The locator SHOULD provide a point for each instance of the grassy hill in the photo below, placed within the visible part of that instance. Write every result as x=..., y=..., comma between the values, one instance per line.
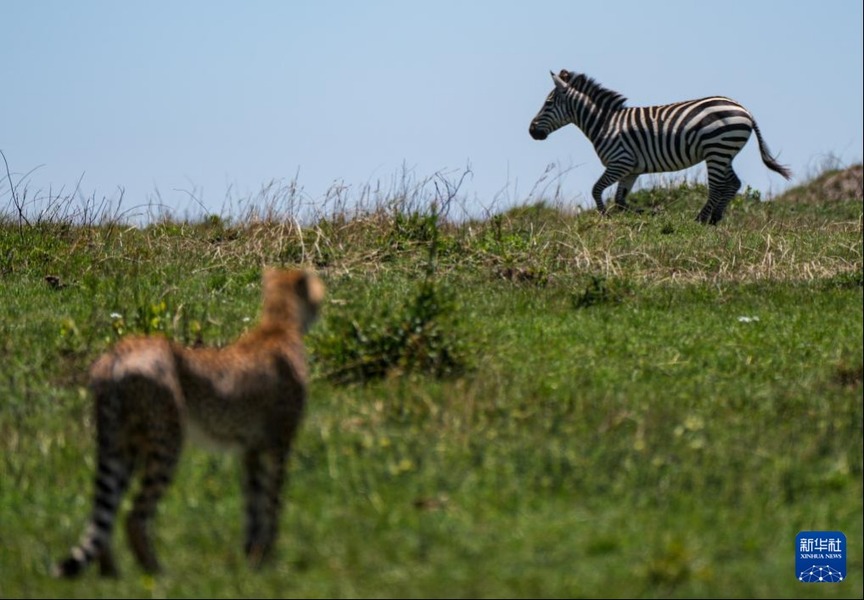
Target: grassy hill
x=543, y=402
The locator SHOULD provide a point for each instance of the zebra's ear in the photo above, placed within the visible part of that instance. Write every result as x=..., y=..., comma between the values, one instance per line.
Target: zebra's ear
x=559, y=83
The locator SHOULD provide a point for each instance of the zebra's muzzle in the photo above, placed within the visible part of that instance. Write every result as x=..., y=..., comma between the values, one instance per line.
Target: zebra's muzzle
x=537, y=133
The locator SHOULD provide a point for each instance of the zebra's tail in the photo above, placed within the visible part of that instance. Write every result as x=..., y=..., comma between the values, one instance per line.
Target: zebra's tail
x=769, y=160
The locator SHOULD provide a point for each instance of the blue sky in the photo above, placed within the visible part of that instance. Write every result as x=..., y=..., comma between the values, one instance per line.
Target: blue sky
x=216, y=99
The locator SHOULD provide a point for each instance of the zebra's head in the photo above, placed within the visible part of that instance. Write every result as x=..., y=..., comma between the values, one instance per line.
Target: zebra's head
x=554, y=114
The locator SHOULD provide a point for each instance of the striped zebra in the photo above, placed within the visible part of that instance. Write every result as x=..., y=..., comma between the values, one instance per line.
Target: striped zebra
x=652, y=139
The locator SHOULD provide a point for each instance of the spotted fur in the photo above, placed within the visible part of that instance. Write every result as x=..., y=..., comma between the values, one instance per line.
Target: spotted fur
x=151, y=393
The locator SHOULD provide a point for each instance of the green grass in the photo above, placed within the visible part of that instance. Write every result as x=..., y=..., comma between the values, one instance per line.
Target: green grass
x=632, y=406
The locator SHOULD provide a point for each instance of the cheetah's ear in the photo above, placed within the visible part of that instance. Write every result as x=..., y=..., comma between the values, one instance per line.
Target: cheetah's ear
x=312, y=288
x=268, y=276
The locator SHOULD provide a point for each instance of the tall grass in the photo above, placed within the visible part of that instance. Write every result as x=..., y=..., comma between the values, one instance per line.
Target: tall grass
x=538, y=401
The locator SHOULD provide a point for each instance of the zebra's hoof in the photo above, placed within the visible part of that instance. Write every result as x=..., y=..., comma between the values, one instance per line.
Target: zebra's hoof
x=68, y=569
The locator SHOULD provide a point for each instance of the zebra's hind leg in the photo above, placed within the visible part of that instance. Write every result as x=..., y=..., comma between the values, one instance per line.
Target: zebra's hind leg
x=722, y=187
x=729, y=189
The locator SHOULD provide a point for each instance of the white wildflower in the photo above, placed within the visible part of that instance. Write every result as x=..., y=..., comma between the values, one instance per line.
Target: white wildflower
x=748, y=319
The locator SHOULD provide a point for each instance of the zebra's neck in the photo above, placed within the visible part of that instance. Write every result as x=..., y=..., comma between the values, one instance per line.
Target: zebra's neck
x=589, y=116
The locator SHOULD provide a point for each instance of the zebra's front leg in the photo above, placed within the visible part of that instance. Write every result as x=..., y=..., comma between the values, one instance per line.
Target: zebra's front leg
x=608, y=178
x=618, y=171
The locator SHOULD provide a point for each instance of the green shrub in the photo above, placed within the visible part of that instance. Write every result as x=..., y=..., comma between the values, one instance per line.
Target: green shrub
x=601, y=290
x=420, y=337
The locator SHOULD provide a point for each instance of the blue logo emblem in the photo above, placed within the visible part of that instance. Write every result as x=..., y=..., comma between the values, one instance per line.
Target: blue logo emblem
x=820, y=556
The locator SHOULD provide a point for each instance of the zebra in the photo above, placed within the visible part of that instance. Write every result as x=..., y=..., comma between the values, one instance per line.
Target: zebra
x=651, y=139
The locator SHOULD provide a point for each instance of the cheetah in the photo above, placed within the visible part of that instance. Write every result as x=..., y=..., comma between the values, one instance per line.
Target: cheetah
x=151, y=393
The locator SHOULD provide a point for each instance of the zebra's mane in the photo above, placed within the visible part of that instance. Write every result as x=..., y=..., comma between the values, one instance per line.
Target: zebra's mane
x=601, y=96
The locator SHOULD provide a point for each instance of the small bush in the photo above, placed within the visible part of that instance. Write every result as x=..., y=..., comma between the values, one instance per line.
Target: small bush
x=845, y=280
x=421, y=337
x=600, y=290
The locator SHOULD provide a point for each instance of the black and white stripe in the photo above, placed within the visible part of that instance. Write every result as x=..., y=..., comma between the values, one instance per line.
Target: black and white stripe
x=651, y=139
